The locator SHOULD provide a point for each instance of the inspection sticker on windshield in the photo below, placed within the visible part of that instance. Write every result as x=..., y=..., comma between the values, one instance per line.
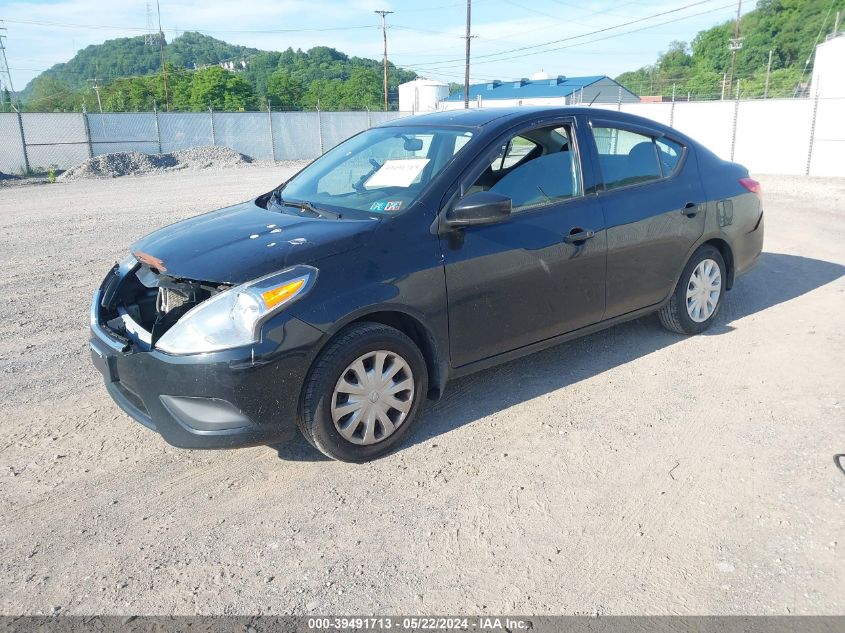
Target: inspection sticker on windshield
x=397, y=173
x=389, y=205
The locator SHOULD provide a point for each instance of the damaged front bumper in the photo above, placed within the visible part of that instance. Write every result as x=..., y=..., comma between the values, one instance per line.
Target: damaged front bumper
x=225, y=399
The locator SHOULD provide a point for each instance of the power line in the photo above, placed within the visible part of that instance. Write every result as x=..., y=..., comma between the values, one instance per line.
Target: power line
x=816, y=42
x=587, y=34
x=435, y=66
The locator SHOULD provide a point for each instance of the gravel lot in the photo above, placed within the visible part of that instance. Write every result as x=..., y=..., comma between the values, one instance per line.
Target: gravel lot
x=630, y=472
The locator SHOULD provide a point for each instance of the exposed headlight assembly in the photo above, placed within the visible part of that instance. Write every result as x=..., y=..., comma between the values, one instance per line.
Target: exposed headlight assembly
x=233, y=318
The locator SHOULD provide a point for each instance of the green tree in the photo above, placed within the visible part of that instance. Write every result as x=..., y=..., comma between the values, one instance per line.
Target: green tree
x=283, y=89
x=220, y=89
x=239, y=94
x=363, y=89
x=52, y=95
x=6, y=101
x=324, y=94
x=129, y=72
x=788, y=28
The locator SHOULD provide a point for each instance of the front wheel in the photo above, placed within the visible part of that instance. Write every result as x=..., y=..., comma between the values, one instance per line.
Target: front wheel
x=698, y=296
x=364, y=393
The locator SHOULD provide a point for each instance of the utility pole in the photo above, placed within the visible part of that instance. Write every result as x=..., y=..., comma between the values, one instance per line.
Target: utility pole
x=4, y=69
x=468, y=37
x=161, y=57
x=383, y=14
x=768, y=74
x=734, y=45
x=97, y=90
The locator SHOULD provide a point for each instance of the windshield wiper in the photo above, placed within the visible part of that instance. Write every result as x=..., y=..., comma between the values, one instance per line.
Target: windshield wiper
x=306, y=206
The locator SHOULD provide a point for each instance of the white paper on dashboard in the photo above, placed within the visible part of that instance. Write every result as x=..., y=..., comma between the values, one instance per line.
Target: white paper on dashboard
x=397, y=173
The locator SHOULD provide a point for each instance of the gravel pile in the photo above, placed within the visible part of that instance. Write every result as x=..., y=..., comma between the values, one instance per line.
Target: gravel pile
x=137, y=164
x=209, y=156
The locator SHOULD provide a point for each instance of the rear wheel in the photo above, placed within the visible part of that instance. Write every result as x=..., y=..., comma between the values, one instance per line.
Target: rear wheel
x=697, y=298
x=364, y=393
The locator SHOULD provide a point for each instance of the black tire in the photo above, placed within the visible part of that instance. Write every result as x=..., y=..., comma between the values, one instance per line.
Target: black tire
x=674, y=315
x=354, y=341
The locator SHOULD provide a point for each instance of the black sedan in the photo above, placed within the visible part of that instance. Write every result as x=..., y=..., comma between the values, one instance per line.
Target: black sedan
x=414, y=252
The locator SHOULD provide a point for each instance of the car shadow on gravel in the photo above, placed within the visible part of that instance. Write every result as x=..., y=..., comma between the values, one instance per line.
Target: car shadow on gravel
x=297, y=449
x=776, y=278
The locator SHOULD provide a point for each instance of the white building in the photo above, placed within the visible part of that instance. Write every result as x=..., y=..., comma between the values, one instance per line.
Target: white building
x=421, y=95
x=828, y=73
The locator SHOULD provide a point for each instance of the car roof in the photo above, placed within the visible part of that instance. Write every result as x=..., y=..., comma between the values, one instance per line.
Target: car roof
x=480, y=117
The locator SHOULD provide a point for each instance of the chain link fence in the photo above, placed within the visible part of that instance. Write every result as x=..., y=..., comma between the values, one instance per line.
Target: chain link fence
x=38, y=142
x=773, y=136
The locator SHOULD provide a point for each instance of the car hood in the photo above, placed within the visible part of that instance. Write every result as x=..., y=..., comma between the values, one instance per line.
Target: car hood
x=246, y=241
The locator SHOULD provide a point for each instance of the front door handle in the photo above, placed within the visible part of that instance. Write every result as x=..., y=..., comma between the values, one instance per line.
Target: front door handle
x=690, y=209
x=577, y=236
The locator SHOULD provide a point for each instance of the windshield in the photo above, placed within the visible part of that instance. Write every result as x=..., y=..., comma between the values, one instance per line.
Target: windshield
x=382, y=170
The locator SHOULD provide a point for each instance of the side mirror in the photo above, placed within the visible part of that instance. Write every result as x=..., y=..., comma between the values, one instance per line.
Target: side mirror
x=481, y=207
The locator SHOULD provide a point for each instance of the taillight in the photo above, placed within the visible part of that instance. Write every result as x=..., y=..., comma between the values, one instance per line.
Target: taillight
x=753, y=186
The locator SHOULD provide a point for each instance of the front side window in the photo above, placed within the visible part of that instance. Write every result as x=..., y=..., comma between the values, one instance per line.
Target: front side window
x=628, y=158
x=534, y=168
x=382, y=170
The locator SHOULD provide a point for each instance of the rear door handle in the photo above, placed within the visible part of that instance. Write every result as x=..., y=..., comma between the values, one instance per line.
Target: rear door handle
x=579, y=236
x=690, y=209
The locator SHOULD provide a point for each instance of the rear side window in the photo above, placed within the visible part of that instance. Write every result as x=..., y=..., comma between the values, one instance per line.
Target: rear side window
x=626, y=158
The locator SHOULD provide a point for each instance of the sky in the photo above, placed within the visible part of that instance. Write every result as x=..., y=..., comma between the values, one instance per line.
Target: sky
x=511, y=38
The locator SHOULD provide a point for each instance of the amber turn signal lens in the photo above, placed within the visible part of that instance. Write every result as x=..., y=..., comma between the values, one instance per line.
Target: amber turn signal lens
x=274, y=297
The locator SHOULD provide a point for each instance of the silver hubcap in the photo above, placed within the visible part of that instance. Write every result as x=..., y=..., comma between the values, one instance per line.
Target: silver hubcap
x=373, y=397
x=703, y=290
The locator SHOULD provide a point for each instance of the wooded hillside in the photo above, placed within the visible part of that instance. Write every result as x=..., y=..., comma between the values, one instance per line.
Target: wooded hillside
x=788, y=28
x=127, y=75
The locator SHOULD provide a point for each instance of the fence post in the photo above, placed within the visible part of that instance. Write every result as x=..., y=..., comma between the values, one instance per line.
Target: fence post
x=812, y=132
x=736, y=114
x=672, y=110
x=211, y=118
x=23, y=140
x=320, y=129
x=158, y=129
x=272, y=137
x=369, y=118
x=619, y=99
x=87, y=131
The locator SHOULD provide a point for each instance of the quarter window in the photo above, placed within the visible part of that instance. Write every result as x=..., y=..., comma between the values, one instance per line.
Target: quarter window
x=670, y=154
x=516, y=151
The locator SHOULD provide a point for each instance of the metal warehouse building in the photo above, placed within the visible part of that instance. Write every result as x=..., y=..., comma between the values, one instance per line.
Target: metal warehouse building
x=558, y=90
